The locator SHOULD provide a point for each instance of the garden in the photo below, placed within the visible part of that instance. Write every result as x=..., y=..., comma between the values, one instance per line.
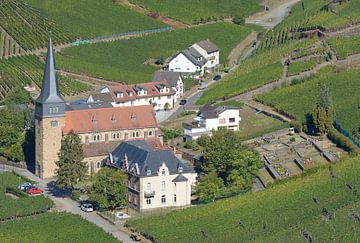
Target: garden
x=125, y=60
x=315, y=206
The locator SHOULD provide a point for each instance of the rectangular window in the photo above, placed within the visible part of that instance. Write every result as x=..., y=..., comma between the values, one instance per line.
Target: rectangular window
x=222, y=121
x=174, y=198
x=148, y=185
x=148, y=201
x=231, y=120
x=163, y=188
x=163, y=199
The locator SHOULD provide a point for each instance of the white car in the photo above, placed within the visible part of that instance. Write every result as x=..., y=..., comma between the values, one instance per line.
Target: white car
x=87, y=207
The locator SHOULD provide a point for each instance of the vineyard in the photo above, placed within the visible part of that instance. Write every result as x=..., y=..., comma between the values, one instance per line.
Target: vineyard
x=345, y=46
x=299, y=67
x=315, y=206
x=22, y=206
x=25, y=28
x=263, y=67
x=17, y=72
x=93, y=18
x=203, y=11
x=125, y=60
x=298, y=100
x=53, y=227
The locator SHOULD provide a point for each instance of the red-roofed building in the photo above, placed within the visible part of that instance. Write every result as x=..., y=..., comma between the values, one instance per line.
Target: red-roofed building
x=161, y=95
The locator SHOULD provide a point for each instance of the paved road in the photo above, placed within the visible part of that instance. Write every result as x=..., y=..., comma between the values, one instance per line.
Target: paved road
x=68, y=205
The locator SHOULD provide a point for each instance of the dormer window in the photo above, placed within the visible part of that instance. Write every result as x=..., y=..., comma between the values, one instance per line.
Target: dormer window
x=163, y=172
x=113, y=118
x=130, y=93
x=148, y=172
x=180, y=169
x=119, y=95
x=93, y=121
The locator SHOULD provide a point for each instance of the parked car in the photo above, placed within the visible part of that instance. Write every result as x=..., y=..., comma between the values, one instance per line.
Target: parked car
x=34, y=191
x=87, y=207
x=217, y=77
x=135, y=237
x=24, y=186
x=183, y=102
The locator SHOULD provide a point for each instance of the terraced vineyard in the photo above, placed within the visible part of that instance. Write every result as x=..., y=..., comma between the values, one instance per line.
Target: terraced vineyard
x=345, y=46
x=17, y=72
x=92, y=18
x=299, y=67
x=298, y=100
x=125, y=60
x=316, y=206
x=203, y=11
x=27, y=28
x=263, y=67
x=21, y=206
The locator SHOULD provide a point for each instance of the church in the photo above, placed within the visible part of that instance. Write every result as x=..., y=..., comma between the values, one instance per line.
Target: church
x=101, y=127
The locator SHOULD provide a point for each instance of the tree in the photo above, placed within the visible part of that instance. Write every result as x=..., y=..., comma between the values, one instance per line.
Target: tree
x=71, y=168
x=166, y=106
x=210, y=187
x=109, y=188
x=323, y=113
x=234, y=163
x=238, y=20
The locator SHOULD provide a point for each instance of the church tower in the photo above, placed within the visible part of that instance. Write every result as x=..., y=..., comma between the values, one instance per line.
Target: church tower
x=49, y=120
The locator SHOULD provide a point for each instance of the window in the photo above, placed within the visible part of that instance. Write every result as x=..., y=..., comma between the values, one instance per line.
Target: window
x=174, y=198
x=148, y=172
x=98, y=165
x=222, y=120
x=169, y=97
x=163, y=188
x=54, y=123
x=180, y=169
x=148, y=201
x=148, y=186
x=163, y=199
x=231, y=120
x=163, y=172
x=150, y=133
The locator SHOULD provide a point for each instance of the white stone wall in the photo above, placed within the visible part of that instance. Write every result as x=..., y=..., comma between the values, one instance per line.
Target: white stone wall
x=183, y=65
x=159, y=100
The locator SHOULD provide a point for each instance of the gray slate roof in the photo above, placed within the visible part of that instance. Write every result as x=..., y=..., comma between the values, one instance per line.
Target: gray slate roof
x=141, y=153
x=180, y=178
x=192, y=55
x=208, y=46
x=88, y=106
x=170, y=77
x=50, y=92
x=210, y=111
x=102, y=97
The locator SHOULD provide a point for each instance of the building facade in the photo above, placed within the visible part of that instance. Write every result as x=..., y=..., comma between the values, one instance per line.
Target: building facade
x=212, y=118
x=174, y=79
x=157, y=178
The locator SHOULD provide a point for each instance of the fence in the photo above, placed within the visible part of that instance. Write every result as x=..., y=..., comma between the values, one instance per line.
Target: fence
x=132, y=33
x=346, y=133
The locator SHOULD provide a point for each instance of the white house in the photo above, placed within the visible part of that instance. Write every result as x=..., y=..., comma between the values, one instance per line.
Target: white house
x=174, y=79
x=157, y=178
x=200, y=57
x=159, y=94
x=209, y=118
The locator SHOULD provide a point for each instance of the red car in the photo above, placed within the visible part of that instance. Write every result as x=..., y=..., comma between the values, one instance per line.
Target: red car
x=34, y=191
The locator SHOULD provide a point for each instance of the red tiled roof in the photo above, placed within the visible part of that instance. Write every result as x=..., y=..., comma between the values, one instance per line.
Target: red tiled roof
x=109, y=119
x=152, y=90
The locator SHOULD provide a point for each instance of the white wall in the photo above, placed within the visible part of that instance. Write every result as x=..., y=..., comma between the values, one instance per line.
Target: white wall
x=181, y=64
x=226, y=115
x=159, y=100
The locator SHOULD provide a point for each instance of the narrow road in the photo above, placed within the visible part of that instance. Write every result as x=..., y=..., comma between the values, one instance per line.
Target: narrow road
x=68, y=205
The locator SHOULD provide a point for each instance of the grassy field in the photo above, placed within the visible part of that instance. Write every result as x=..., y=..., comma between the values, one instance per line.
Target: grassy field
x=299, y=100
x=345, y=46
x=124, y=60
x=22, y=206
x=53, y=227
x=90, y=18
x=280, y=213
x=179, y=9
x=261, y=68
x=298, y=67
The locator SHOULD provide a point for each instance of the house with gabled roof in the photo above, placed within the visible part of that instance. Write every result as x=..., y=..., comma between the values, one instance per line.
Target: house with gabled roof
x=157, y=178
x=174, y=79
x=200, y=57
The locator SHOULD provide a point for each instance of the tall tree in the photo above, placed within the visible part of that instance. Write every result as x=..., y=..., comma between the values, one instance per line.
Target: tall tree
x=71, y=169
x=323, y=113
x=210, y=187
x=109, y=188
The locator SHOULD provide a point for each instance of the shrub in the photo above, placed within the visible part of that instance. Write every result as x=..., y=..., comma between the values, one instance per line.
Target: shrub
x=296, y=125
x=341, y=141
x=75, y=195
x=238, y=20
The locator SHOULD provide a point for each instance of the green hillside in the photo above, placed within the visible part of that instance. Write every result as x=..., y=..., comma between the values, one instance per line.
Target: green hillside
x=318, y=205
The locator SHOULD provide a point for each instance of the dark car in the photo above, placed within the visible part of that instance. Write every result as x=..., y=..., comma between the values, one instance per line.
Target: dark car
x=217, y=77
x=183, y=102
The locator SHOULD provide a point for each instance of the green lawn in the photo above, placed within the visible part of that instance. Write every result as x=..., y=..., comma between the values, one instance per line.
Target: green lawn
x=345, y=46
x=53, y=227
x=277, y=214
x=298, y=67
x=179, y=9
x=124, y=60
x=299, y=100
x=23, y=206
x=91, y=18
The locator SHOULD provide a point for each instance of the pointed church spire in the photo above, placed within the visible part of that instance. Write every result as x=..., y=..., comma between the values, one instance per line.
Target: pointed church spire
x=50, y=94
x=50, y=90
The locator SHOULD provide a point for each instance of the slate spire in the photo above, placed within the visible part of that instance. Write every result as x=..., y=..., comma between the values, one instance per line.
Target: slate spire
x=50, y=92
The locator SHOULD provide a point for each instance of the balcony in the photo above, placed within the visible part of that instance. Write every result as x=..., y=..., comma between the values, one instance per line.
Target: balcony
x=148, y=194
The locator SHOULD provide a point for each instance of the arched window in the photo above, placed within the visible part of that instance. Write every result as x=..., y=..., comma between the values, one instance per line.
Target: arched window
x=163, y=199
x=118, y=136
x=150, y=133
x=163, y=188
x=148, y=186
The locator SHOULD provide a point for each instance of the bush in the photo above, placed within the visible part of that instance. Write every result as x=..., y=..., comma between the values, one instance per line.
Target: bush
x=238, y=20
x=15, y=192
x=341, y=141
x=296, y=125
x=75, y=194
